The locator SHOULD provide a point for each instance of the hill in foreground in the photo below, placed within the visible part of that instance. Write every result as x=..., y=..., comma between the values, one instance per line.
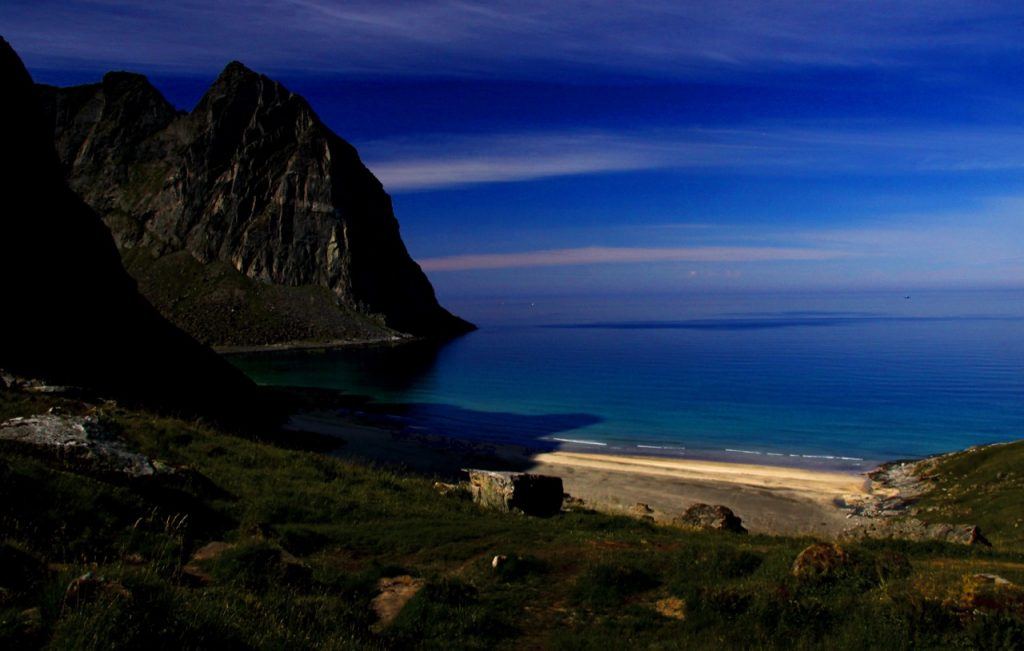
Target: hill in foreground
x=233, y=543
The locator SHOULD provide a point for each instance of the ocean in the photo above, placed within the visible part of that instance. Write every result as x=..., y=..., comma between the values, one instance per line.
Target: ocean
x=837, y=380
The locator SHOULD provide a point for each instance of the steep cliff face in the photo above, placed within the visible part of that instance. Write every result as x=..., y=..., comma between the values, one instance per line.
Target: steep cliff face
x=71, y=314
x=251, y=178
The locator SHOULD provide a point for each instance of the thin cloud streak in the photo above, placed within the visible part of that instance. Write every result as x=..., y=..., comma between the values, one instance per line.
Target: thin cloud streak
x=617, y=255
x=522, y=38
x=459, y=160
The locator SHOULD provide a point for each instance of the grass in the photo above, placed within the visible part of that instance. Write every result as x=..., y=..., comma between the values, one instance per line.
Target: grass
x=576, y=581
x=220, y=306
x=982, y=486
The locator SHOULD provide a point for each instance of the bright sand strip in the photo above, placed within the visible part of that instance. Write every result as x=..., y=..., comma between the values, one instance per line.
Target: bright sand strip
x=769, y=499
x=813, y=483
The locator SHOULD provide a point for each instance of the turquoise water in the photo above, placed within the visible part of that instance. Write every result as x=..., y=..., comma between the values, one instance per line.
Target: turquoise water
x=830, y=380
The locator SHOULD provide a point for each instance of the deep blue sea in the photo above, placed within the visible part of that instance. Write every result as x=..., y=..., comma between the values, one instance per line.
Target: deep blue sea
x=841, y=380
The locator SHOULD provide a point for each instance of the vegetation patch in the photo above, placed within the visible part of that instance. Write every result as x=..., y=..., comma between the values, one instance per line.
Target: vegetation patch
x=306, y=541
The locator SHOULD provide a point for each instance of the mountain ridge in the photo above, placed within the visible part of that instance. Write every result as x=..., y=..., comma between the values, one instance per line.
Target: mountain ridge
x=251, y=178
x=72, y=314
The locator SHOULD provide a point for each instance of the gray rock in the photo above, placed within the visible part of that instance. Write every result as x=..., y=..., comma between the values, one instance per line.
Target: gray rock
x=79, y=444
x=710, y=518
x=446, y=489
x=919, y=530
x=90, y=586
x=251, y=180
x=516, y=491
x=72, y=314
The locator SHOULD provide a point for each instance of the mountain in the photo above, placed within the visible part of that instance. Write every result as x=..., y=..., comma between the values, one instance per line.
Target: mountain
x=71, y=313
x=246, y=221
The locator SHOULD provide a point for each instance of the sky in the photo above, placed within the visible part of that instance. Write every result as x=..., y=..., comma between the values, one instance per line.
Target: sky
x=553, y=148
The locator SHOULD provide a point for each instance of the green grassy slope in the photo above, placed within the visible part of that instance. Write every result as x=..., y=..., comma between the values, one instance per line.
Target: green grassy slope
x=579, y=580
x=220, y=306
x=983, y=486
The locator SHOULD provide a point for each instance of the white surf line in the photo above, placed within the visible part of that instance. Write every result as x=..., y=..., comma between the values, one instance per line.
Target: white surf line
x=803, y=456
x=579, y=441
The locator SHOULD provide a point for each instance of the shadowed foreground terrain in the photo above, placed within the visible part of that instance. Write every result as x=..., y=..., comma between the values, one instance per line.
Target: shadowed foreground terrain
x=89, y=562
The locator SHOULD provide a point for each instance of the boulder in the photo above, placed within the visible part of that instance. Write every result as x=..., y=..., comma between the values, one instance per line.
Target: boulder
x=79, y=444
x=395, y=592
x=573, y=503
x=820, y=560
x=919, y=530
x=710, y=518
x=446, y=489
x=273, y=561
x=89, y=586
x=516, y=491
x=195, y=571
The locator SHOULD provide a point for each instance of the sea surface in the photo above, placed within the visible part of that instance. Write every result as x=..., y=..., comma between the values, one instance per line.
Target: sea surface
x=822, y=379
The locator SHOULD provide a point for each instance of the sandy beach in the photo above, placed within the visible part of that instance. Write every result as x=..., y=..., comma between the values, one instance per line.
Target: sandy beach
x=769, y=499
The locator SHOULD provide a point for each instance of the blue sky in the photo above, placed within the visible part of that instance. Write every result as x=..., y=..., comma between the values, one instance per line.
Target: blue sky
x=537, y=148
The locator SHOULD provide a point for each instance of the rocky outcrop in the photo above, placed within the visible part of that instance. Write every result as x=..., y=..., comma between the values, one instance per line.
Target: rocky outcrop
x=269, y=563
x=889, y=509
x=710, y=518
x=250, y=179
x=393, y=593
x=79, y=443
x=919, y=530
x=516, y=491
x=71, y=314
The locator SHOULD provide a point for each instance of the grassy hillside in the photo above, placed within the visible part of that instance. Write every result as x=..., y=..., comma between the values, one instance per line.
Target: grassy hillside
x=980, y=485
x=220, y=306
x=579, y=580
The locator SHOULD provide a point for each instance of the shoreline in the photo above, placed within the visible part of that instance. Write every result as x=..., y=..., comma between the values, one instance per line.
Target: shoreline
x=771, y=499
x=286, y=346
x=389, y=417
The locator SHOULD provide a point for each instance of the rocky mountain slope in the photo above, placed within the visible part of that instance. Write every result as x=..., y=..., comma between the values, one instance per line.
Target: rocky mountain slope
x=257, y=190
x=71, y=314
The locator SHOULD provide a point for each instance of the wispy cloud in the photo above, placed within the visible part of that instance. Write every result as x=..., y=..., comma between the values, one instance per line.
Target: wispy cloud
x=517, y=37
x=983, y=246
x=610, y=255
x=457, y=160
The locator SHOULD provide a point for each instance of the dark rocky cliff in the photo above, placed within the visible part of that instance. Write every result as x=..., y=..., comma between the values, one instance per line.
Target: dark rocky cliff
x=251, y=180
x=71, y=314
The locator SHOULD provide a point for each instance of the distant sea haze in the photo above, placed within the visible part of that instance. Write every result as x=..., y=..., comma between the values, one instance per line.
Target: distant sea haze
x=832, y=380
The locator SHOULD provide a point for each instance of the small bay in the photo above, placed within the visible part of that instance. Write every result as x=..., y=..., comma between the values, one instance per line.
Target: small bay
x=834, y=380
